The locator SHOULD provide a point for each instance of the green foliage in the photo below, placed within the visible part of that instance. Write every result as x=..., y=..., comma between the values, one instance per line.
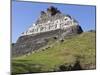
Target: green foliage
x=80, y=46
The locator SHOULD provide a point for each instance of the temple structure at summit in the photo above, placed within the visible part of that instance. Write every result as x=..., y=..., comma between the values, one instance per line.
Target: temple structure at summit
x=50, y=20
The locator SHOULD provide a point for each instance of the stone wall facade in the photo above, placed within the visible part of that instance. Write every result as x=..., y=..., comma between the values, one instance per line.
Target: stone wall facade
x=47, y=23
x=50, y=24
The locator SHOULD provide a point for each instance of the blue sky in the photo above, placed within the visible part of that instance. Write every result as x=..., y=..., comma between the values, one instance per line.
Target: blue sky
x=24, y=14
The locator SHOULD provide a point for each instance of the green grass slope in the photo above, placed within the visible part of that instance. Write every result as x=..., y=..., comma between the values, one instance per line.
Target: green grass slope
x=80, y=46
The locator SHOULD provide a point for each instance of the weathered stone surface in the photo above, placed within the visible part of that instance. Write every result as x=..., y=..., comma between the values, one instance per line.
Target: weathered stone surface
x=51, y=24
x=27, y=44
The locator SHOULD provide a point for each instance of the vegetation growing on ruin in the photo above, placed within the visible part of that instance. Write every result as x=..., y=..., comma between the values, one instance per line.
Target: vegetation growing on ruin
x=81, y=47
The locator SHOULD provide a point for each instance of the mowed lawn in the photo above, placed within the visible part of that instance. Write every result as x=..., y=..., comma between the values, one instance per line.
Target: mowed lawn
x=80, y=46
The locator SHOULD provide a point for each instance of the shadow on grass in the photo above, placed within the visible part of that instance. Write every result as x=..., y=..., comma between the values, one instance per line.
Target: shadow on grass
x=65, y=67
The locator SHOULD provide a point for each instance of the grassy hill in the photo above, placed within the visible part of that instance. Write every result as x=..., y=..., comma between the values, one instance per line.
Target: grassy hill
x=80, y=47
